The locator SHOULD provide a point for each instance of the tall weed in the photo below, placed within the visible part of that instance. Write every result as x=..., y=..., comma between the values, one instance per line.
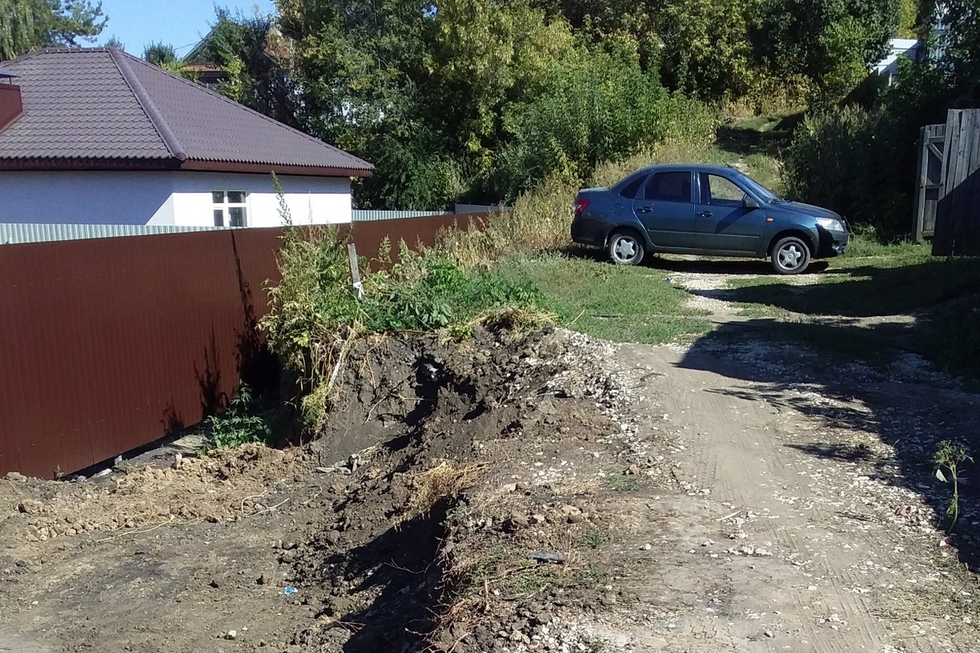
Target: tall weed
x=540, y=221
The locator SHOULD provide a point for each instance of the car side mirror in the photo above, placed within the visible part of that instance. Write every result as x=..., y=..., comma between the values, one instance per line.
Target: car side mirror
x=748, y=202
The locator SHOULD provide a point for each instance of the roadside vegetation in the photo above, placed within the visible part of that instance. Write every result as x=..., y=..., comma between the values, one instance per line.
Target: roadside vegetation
x=317, y=314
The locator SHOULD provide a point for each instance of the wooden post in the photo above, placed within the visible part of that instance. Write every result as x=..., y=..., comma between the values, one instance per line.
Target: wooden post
x=355, y=273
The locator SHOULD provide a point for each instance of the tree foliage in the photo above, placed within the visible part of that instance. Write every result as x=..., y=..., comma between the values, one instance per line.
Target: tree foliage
x=830, y=42
x=27, y=25
x=477, y=100
x=251, y=52
x=160, y=54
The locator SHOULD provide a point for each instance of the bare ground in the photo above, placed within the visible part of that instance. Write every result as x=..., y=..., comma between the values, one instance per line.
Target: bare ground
x=733, y=496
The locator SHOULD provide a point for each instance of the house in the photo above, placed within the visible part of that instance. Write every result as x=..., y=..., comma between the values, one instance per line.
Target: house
x=97, y=136
x=887, y=68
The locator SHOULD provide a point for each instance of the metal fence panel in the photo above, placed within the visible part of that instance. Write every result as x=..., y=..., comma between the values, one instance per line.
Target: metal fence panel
x=370, y=215
x=16, y=233
x=110, y=343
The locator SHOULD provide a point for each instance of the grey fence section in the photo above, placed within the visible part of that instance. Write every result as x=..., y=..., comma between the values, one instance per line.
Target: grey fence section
x=16, y=233
x=958, y=210
x=370, y=215
x=482, y=208
x=929, y=179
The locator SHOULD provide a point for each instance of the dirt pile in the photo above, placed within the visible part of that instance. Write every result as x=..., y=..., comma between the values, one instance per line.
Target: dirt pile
x=463, y=515
x=462, y=497
x=219, y=487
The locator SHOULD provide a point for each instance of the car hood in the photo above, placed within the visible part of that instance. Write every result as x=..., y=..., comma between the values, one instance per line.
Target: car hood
x=808, y=209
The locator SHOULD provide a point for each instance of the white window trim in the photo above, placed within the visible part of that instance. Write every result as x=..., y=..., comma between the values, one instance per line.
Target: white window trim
x=226, y=205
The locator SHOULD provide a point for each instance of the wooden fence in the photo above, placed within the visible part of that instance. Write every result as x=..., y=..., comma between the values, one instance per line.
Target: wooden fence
x=948, y=194
x=930, y=173
x=109, y=344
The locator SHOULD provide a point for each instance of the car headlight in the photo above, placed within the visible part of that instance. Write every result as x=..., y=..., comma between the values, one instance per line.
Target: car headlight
x=831, y=224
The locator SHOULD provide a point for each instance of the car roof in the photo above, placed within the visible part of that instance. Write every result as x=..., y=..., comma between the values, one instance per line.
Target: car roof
x=700, y=167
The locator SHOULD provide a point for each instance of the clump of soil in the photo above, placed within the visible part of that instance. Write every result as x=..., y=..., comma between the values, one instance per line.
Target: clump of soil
x=221, y=486
x=463, y=516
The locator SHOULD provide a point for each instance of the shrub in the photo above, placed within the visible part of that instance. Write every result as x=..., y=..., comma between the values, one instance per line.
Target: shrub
x=239, y=424
x=540, y=221
x=597, y=106
x=846, y=159
x=312, y=302
x=862, y=162
x=426, y=292
x=315, y=314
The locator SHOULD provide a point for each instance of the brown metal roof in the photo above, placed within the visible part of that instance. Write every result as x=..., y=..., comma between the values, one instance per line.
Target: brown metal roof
x=99, y=108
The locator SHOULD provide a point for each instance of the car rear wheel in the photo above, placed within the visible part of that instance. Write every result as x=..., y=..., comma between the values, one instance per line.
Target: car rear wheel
x=625, y=248
x=790, y=255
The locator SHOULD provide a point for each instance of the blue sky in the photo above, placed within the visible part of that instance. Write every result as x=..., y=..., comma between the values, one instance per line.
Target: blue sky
x=181, y=23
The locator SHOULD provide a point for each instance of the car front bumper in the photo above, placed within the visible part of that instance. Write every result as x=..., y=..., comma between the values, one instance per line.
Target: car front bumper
x=832, y=243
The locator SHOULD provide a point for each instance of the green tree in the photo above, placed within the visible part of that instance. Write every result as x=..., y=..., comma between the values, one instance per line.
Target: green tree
x=959, y=43
x=830, y=42
x=160, y=54
x=708, y=51
x=251, y=51
x=26, y=25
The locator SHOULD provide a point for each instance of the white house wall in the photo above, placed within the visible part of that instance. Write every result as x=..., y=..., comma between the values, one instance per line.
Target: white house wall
x=86, y=197
x=311, y=200
x=161, y=198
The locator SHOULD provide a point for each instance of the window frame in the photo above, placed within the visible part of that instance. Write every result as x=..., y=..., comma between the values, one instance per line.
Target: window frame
x=690, y=175
x=704, y=191
x=226, y=206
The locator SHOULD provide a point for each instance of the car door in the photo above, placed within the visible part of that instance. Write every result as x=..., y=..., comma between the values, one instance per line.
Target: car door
x=665, y=207
x=724, y=222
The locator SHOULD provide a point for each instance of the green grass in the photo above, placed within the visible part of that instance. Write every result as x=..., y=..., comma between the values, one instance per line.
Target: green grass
x=593, y=539
x=621, y=483
x=870, y=280
x=875, y=281
x=622, y=304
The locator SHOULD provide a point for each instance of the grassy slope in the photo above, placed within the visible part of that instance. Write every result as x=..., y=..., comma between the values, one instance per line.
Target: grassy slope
x=623, y=304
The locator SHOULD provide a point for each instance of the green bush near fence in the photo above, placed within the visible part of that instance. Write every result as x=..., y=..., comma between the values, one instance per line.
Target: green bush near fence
x=316, y=314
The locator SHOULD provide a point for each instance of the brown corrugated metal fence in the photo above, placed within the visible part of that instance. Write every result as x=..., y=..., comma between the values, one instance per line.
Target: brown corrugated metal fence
x=107, y=345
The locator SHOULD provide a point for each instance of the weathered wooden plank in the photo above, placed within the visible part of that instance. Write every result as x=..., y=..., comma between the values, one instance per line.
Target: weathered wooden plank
x=922, y=166
x=929, y=179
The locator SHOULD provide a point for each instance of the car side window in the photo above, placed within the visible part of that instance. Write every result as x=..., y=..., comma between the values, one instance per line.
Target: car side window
x=631, y=189
x=720, y=191
x=669, y=187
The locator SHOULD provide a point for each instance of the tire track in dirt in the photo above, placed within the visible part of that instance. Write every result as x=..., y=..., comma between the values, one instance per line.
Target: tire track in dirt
x=754, y=519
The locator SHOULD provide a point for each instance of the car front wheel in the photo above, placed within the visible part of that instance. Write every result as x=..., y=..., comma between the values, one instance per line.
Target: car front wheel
x=625, y=248
x=790, y=255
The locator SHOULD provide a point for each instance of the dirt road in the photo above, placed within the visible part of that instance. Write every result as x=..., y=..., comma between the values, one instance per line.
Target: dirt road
x=800, y=517
x=799, y=530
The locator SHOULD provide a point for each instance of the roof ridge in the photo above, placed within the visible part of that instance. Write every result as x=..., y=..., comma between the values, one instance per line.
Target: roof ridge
x=239, y=105
x=27, y=55
x=170, y=140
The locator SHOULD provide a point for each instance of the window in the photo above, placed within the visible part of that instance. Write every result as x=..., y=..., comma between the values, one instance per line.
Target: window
x=669, y=187
x=229, y=207
x=720, y=191
x=630, y=190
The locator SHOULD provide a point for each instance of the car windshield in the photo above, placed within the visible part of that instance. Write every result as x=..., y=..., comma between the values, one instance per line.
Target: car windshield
x=767, y=195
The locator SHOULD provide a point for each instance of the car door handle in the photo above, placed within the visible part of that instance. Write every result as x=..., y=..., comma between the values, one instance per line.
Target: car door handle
x=704, y=214
x=644, y=209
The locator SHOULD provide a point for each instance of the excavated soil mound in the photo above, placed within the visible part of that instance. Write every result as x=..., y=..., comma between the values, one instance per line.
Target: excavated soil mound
x=454, y=463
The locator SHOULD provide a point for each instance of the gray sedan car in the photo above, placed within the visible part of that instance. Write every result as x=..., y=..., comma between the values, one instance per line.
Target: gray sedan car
x=708, y=210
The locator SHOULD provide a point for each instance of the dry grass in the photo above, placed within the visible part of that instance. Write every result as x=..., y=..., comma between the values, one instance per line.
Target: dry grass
x=540, y=221
x=675, y=151
x=442, y=481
